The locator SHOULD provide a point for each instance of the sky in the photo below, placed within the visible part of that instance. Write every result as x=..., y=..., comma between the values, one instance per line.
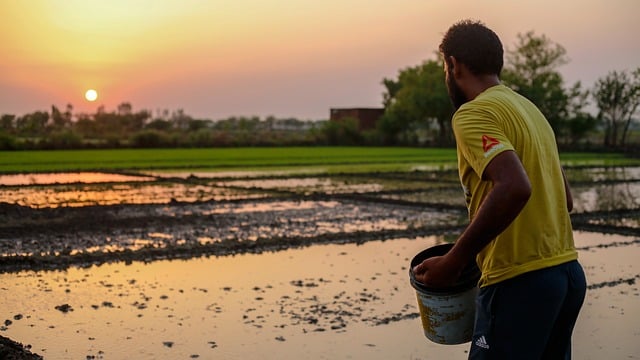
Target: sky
x=284, y=58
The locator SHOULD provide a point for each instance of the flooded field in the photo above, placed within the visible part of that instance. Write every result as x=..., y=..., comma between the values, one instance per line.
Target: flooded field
x=247, y=266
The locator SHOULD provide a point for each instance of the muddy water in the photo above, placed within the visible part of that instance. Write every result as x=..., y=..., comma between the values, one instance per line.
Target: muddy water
x=65, y=178
x=272, y=266
x=328, y=301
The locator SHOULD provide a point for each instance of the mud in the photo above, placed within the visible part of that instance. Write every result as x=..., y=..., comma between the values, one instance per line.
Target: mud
x=47, y=225
x=11, y=350
x=182, y=217
x=46, y=233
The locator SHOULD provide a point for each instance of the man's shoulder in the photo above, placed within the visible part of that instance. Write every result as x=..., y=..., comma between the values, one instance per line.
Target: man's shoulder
x=496, y=95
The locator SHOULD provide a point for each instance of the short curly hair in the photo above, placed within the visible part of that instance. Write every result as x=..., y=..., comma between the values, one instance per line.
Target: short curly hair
x=475, y=45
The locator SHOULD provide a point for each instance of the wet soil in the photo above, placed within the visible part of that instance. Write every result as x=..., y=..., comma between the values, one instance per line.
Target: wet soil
x=249, y=215
x=11, y=350
x=242, y=218
x=56, y=225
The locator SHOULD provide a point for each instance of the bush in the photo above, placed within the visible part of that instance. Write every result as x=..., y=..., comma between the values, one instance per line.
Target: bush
x=64, y=139
x=7, y=142
x=150, y=139
x=342, y=132
x=201, y=138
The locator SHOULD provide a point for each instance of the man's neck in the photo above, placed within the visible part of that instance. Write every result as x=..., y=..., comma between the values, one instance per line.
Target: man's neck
x=480, y=84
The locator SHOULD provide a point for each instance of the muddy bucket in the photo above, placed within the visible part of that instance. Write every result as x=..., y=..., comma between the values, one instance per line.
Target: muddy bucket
x=447, y=314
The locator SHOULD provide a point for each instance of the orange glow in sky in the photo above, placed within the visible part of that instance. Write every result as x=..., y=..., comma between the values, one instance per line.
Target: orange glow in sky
x=270, y=57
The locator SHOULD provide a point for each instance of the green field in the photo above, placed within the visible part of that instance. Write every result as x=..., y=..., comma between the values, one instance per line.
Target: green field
x=326, y=159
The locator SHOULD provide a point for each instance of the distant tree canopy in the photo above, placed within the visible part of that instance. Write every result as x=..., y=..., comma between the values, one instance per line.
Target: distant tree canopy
x=531, y=69
x=617, y=96
x=128, y=128
x=416, y=102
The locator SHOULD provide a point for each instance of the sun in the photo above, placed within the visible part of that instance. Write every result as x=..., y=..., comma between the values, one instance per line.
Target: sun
x=91, y=95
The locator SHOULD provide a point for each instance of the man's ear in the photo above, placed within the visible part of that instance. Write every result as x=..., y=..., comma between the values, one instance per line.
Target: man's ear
x=457, y=68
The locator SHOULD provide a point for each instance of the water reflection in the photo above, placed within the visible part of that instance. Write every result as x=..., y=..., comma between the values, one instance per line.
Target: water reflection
x=233, y=174
x=318, y=302
x=332, y=301
x=594, y=189
x=595, y=174
x=606, y=196
x=112, y=194
x=65, y=178
x=605, y=189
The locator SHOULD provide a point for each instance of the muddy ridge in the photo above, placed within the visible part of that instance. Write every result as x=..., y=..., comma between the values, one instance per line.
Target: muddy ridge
x=11, y=350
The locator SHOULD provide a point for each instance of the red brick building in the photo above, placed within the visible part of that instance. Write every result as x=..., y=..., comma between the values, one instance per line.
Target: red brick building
x=367, y=117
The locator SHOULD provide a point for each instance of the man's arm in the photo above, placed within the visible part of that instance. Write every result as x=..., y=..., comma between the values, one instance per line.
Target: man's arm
x=510, y=193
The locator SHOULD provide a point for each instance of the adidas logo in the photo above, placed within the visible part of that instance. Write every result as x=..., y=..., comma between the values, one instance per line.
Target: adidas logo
x=482, y=342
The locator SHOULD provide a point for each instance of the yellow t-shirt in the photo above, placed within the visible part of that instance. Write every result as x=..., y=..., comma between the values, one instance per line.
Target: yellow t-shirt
x=499, y=120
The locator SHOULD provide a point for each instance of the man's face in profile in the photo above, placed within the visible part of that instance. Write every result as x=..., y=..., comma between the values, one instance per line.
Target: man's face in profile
x=458, y=98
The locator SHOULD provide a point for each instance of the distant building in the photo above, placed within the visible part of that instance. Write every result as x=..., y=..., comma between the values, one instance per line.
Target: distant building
x=367, y=117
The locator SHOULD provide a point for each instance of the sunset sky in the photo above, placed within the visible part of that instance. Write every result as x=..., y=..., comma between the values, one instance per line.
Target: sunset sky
x=287, y=58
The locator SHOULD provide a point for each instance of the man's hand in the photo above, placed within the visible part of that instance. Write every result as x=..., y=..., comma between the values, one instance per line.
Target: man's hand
x=437, y=271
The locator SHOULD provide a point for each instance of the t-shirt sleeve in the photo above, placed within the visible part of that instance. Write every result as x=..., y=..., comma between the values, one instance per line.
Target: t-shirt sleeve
x=479, y=137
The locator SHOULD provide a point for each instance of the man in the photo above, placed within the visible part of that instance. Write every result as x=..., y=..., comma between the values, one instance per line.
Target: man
x=532, y=287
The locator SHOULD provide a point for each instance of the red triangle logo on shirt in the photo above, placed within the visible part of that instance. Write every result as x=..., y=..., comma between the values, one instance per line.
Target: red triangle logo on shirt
x=488, y=142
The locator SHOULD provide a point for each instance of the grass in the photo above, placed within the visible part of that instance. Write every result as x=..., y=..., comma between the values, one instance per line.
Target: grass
x=223, y=159
x=327, y=159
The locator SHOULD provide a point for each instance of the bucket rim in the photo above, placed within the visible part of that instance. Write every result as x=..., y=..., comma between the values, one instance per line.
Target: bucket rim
x=468, y=279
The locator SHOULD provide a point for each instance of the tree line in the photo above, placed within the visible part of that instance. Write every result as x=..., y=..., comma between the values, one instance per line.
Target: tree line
x=125, y=128
x=417, y=113
x=417, y=109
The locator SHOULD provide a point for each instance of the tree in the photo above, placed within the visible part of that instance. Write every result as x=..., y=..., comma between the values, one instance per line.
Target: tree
x=33, y=124
x=617, y=96
x=59, y=120
x=7, y=123
x=531, y=70
x=417, y=99
x=86, y=127
x=579, y=122
x=125, y=109
x=160, y=124
x=68, y=113
x=180, y=119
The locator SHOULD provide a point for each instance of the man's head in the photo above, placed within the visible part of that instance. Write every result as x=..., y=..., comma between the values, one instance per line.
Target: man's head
x=475, y=46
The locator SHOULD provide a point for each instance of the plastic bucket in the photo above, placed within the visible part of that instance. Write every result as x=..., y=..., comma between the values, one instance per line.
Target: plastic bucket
x=447, y=314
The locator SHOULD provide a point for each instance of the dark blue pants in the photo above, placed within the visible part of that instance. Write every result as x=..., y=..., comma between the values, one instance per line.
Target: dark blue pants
x=530, y=316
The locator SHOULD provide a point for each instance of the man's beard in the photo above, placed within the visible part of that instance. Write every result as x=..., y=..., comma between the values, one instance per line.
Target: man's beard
x=458, y=98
